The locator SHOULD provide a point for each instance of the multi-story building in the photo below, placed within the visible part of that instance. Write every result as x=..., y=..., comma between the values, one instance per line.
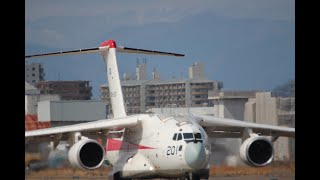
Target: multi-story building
x=34, y=73
x=145, y=94
x=68, y=90
x=141, y=94
x=179, y=93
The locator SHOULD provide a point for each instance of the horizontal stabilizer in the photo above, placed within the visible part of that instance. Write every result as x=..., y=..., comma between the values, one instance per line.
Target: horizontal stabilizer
x=144, y=51
x=80, y=51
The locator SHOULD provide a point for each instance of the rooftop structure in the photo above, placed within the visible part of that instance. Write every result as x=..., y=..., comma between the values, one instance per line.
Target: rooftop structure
x=141, y=70
x=196, y=70
x=31, y=123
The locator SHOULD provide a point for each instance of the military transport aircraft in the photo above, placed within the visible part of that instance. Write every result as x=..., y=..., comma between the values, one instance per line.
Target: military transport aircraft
x=153, y=145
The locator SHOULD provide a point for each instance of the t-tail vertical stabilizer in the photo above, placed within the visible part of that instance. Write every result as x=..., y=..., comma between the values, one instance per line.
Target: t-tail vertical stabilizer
x=116, y=96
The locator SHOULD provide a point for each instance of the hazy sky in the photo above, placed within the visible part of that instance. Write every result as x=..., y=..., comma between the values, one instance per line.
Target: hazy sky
x=247, y=44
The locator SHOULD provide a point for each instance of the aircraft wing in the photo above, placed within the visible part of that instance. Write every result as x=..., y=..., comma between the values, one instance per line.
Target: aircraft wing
x=89, y=128
x=230, y=128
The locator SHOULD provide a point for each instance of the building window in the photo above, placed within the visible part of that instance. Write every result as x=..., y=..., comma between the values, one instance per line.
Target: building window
x=33, y=69
x=33, y=75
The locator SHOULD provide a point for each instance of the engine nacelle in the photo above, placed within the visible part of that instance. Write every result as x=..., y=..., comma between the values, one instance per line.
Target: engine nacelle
x=86, y=154
x=257, y=151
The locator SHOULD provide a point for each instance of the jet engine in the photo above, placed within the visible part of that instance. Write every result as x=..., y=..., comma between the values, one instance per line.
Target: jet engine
x=86, y=154
x=256, y=151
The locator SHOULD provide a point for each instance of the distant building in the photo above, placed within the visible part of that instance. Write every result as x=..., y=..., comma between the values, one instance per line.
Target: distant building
x=145, y=94
x=182, y=111
x=179, y=93
x=68, y=90
x=60, y=113
x=230, y=104
x=141, y=94
x=34, y=73
x=196, y=70
x=33, y=96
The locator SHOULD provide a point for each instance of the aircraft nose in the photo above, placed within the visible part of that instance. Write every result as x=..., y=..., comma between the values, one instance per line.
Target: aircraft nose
x=195, y=155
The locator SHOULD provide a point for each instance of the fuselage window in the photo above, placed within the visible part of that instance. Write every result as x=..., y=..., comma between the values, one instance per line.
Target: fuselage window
x=179, y=136
x=174, y=136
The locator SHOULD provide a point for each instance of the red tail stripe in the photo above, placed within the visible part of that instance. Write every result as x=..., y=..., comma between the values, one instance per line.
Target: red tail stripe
x=116, y=145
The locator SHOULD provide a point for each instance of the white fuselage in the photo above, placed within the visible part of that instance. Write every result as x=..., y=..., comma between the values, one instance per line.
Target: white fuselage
x=160, y=145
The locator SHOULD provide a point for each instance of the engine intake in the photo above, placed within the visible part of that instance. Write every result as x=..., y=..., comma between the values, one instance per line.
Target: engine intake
x=86, y=154
x=257, y=151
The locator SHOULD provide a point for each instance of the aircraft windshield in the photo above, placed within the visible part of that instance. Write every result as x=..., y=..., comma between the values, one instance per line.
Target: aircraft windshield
x=197, y=135
x=188, y=136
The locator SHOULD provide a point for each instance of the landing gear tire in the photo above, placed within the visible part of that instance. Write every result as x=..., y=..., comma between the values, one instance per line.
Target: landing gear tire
x=195, y=177
x=117, y=176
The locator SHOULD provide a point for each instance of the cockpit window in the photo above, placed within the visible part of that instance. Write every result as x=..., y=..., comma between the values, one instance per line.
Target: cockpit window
x=197, y=135
x=174, y=136
x=188, y=136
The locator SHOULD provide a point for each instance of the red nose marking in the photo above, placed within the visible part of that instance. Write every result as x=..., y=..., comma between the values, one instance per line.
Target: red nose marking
x=111, y=43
